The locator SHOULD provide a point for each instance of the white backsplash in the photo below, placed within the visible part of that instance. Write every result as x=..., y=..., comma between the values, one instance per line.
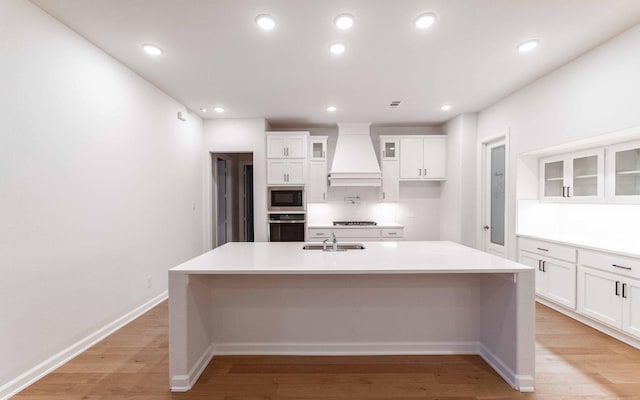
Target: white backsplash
x=418, y=209
x=613, y=226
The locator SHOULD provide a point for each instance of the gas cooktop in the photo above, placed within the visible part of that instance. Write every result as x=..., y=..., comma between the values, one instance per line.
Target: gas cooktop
x=356, y=223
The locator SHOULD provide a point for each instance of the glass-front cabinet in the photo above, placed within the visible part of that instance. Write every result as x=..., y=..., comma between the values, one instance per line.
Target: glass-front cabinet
x=318, y=148
x=389, y=148
x=623, y=172
x=573, y=177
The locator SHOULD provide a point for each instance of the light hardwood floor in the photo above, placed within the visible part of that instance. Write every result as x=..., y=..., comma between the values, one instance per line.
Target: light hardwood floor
x=572, y=362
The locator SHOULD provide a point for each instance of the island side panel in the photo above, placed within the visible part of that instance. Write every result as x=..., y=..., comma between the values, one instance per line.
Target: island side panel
x=346, y=314
x=508, y=327
x=190, y=347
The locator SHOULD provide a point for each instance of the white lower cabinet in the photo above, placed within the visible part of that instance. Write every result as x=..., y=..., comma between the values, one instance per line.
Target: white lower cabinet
x=555, y=279
x=599, y=296
x=609, y=290
x=631, y=307
x=316, y=234
x=604, y=287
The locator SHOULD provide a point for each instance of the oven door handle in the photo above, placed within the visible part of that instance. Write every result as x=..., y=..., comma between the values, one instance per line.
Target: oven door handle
x=272, y=221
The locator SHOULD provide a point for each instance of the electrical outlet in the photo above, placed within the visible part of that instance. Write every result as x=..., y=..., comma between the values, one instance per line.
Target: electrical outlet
x=149, y=281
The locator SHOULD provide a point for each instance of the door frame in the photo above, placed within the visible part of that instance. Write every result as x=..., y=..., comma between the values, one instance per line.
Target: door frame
x=242, y=234
x=484, y=189
x=214, y=189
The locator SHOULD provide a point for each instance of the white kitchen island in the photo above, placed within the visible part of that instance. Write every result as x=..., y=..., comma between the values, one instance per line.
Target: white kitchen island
x=390, y=298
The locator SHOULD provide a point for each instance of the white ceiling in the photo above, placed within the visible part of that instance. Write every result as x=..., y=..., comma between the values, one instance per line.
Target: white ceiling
x=216, y=55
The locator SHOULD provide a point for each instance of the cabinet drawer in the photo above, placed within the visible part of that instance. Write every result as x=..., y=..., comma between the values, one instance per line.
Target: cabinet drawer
x=392, y=232
x=547, y=249
x=611, y=263
x=319, y=234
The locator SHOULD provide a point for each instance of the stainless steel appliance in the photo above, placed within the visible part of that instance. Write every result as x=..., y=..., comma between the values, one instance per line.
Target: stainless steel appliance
x=285, y=227
x=286, y=198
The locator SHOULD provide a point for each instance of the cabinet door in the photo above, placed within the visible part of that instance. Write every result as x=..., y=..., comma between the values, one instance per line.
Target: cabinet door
x=390, y=181
x=276, y=145
x=560, y=282
x=534, y=261
x=411, y=166
x=585, y=171
x=276, y=172
x=317, y=187
x=295, y=172
x=318, y=149
x=296, y=147
x=389, y=149
x=623, y=172
x=597, y=296
x=434, y=156
x=631, y=307
x=553, y=172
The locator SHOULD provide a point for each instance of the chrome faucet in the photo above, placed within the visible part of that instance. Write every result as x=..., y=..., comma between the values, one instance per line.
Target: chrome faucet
x=335, y=241
x=324, y=244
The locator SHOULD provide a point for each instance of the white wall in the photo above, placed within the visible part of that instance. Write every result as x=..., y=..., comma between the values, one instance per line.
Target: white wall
x=597, y=93
x=100, y=188
x=237, y=136
x=458, y=192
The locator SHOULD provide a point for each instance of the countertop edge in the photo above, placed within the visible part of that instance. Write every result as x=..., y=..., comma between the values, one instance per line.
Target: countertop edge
x=579, y=244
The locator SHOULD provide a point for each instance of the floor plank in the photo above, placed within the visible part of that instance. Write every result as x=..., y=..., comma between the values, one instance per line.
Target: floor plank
x=573, y=362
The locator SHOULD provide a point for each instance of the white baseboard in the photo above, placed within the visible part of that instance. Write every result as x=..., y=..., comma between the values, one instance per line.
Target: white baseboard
x=523, y=383
x=27, y=378
x=184, y=383
x=614, y=333
x=346, y=349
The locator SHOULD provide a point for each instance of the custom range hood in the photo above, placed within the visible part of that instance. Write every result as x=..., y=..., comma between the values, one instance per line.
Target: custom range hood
x=354, y=161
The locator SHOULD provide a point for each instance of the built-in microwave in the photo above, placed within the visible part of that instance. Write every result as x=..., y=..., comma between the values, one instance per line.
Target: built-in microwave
x=286, y=198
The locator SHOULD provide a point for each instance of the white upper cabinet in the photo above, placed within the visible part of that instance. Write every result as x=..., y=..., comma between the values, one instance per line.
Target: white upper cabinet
x=423, y=157
x=623, y=172
x=573, y=177
x=317, y=148
x=390, y=181
x=287, y=158
x=287, y=144
x=389, y=148
x=286, y=172
x=318, y=178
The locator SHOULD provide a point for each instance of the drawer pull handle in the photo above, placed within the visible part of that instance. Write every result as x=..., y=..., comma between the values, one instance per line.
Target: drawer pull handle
x=391, y=233
x=620, y=266
x=319, y=234
x=617, y=288
x=624, y=290
x=541, y=249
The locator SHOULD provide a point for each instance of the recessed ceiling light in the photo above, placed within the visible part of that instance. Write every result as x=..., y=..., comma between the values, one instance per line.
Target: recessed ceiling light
x=152, y=49
x=203, y=109
x=425, y=20
x=344, y=21
x=528, y=45
x=266, y=22
x=331, y=109
x=445, y=107
x=337, y=48
x=218, y=109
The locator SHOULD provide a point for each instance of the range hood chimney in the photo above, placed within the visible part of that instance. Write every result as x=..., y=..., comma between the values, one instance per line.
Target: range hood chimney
x=355, y=162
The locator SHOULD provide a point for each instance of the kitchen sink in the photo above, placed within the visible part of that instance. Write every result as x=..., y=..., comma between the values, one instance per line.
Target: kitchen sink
x=341, y=246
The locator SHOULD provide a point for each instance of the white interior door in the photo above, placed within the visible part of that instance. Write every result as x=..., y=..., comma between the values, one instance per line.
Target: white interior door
x=494, y=196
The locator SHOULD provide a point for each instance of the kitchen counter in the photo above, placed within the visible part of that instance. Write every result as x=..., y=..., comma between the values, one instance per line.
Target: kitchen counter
x=331, y=226
x=390, y=298
x=376, y=258
x=600, y=244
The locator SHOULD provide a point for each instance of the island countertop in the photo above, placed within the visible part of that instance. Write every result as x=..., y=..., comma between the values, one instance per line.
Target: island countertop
x=377, y=258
